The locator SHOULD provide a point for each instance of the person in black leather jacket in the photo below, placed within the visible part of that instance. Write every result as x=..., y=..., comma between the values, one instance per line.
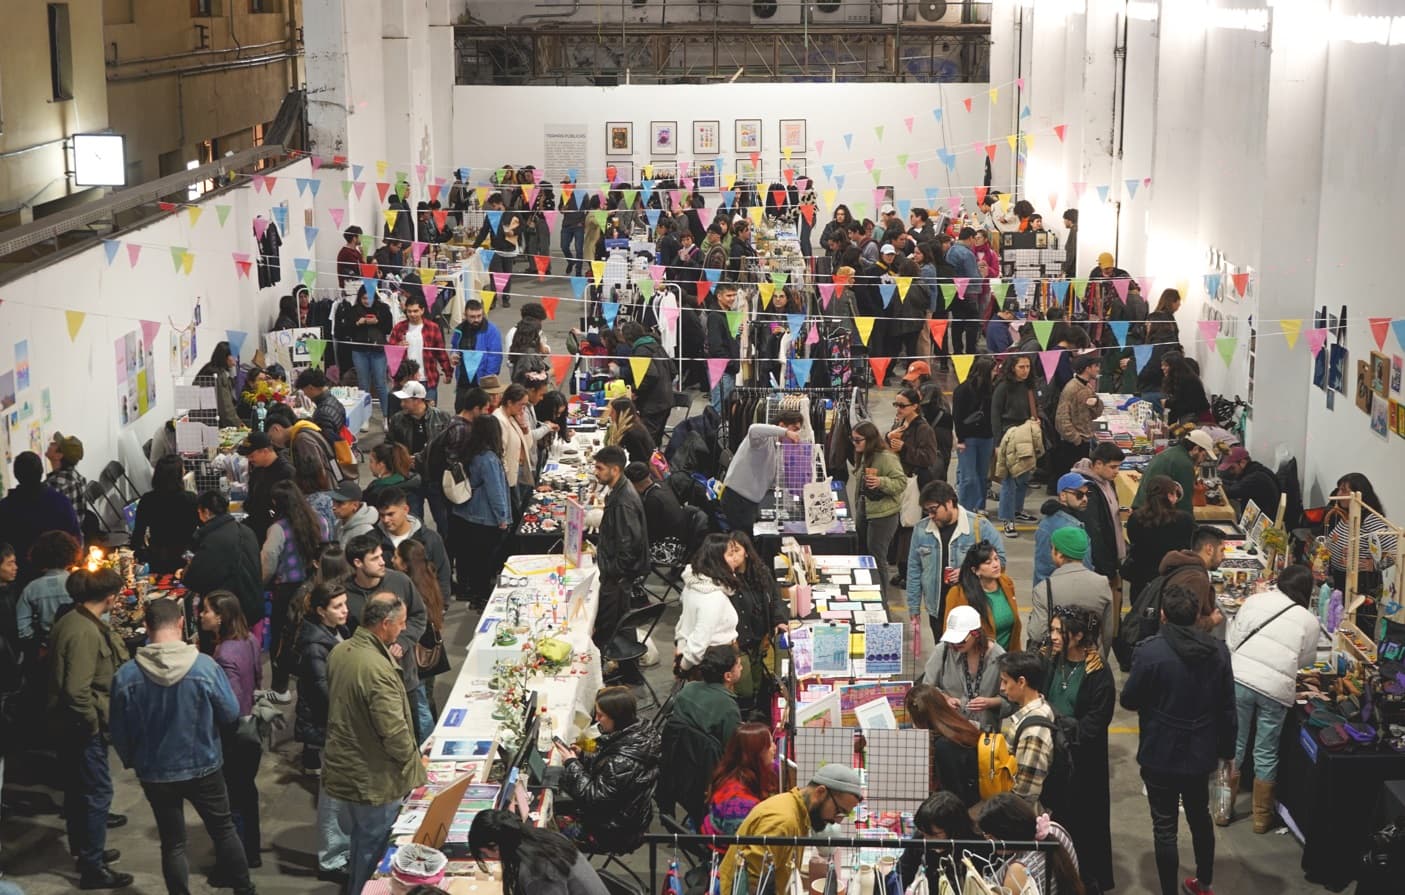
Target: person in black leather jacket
x=323, y=627
x=653, y=393
x=622, y=550
x=614, y=787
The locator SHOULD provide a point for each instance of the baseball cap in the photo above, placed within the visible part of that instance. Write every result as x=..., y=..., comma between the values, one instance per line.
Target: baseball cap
x=1106, y=260
x=887, y=208
x=347, y=491
x=70, y=448
x=1072, y=481
x=960, y=622
x=1233, y=457
x=411, y=389
x=255, y=441
x=1201, y=439
x=838, y=778
x=491, y=385
x=888, y=249
x=915, y=369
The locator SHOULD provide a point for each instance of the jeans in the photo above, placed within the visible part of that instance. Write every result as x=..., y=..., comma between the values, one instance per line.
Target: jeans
x=875, y=537
x=973, y=473
x=419, y=713
x=1265, y=717
x=1012, y=492
x=726, y=383
x=371, y=375
x=207, y=794
x=1165, y=794
x=87, y=797
x=333, y=833
x=369, y=831
x=241, y=770
x=573, y=246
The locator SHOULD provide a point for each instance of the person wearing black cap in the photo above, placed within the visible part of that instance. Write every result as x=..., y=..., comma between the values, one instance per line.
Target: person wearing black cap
x=267, y=467
x=226, y=557
x=354, y=515
x=1079, y=405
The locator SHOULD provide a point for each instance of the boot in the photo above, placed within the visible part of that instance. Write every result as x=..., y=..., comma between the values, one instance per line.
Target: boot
x=1233, y=796
x=1263, y=806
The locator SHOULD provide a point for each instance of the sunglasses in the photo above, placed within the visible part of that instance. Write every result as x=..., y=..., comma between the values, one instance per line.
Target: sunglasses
x=901, y=404
x=1081, y=495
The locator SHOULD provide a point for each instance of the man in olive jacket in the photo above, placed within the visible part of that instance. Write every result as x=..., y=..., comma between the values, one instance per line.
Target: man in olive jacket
x=371, y=759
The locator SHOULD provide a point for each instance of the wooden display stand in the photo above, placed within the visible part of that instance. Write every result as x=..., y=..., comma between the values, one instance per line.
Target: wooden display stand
x=1349, y=638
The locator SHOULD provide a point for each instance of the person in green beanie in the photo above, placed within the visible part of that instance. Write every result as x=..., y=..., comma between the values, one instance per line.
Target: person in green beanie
x=1072, y=585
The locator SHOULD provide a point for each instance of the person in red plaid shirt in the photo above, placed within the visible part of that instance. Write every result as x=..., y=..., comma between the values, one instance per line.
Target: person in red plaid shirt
x=424, y=344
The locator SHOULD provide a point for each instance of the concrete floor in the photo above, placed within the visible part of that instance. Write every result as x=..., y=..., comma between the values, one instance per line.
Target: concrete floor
x=35, y=857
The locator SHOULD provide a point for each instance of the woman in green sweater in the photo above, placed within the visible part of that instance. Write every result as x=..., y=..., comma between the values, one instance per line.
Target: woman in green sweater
x=877, y=495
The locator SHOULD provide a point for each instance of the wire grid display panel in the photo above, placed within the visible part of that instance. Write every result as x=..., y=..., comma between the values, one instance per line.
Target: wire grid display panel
x=898, y=763
x=797, y=465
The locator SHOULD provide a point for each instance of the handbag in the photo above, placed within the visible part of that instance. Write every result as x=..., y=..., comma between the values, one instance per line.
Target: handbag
x=430, y=657
x=910, y=510
x=458, y=489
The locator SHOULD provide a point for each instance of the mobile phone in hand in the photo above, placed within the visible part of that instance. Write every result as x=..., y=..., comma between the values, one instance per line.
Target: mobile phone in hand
x=562, y=743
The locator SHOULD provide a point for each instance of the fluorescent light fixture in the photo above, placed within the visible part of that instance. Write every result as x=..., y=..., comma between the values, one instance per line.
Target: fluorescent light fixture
x=99, y=160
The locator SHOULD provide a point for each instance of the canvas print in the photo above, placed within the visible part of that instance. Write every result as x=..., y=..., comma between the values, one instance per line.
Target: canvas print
x=749, y=171
x=1400, y=420
x=619, y=138
x=706, y=174
x=1394, y=419
x=706, y=137
x=1380, y=374
x=748, y=135
x=1379, y=416
x=1363, y=386
x=793, y=135
x=663, y=136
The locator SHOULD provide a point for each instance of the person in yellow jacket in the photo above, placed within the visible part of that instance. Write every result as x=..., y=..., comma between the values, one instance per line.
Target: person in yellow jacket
x=832, y=794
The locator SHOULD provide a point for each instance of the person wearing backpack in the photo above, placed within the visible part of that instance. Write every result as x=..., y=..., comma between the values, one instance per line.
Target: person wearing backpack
x=1030, y=730
x=1182, y=688
x=1083, y=696
x=1189, y=569
x=1271, y=637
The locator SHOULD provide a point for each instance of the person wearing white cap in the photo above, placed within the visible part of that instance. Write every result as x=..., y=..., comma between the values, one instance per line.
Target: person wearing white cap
x=832, y=794
x=964, y=667
x=1178, y=462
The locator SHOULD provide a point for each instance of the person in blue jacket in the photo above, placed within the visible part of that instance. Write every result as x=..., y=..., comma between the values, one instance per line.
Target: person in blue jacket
x=476, y=333
x=478, y=528
x=939, y=543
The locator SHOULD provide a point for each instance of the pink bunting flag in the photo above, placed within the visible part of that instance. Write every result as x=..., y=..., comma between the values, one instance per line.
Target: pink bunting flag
x=954, y=203
x=1209, y=330
x=316, y=162
x=1316, y=338
x=907, y=122
x=417, y=249
x=500, y=281
x=551, y=218
x=420, y=171
x=826, y=295
x=912, y=169
x=1145, y=283
x=819, y=147
x=531, y=194
x=1019, y=82
x=705, y=217
x=814, y=337
x=260, y=227
x=394, y=354
x=879, y=197
x=133, y=253
x=338, y=215
x=1121, y=284
x=656, y=271
x=259, y=182
x=431, y=292
x=669, y=315
x=1079, y=188
x=868, y=164
x=1050, y=361
x=149, y=329
x=961, y=284
x=683, y=173
x=716, y=366
x=360, y=188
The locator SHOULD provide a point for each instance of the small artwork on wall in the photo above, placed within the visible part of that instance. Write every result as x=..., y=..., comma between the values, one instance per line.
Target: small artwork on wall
x=1380, y=374
x=663, y=137
x=794, y=164
x=1400, y=420
x=706, y=139
x=706, y=174
x=663, y=169
x=748, y=136
x=619, y=172
x=1397, y=368
x=1336, y=369
x=749, y=171
x=1380, y=416
x=1363, y=386
x=793, y=135
x=1394, y=419
x=619, y=138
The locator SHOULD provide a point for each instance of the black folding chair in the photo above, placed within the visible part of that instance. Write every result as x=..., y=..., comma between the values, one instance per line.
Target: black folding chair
x=616, y=886
x=683, y=400
x=626, y=648
x=114, y=475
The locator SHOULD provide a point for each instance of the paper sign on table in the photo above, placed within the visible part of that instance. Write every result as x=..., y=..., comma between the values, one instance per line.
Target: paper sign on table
x=831, y=648
x=883, y=648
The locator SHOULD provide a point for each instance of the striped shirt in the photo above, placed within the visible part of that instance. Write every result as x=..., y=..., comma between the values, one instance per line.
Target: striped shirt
x=1373, y=529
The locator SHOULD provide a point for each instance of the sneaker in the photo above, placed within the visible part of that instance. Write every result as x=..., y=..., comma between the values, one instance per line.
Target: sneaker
x=1010, y=531
x=1194, y=886
x=1025, y=517
x=277, y=698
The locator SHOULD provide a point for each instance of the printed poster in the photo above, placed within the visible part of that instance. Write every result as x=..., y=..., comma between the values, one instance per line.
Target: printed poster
x=574, y=532
x=22, y=365
x=136, y=377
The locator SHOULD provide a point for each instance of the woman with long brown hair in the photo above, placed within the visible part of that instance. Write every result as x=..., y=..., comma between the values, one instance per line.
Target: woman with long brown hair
x=1154, y=529
x=627, y=429
x=954, y=740
x=878, y=489
x=745, y=776
x=412, y=559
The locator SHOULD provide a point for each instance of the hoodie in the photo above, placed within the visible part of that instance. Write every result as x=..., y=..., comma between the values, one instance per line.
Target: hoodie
x=1182, y=687
x=168, y=707
x=363, y=520
x=1056, y=516
x=1186, y=569
x=708, y=618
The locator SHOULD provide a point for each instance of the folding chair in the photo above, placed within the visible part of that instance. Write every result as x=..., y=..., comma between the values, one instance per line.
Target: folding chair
x=683, y=400
x=114, y=475
x=626, y=648
x=616, y=886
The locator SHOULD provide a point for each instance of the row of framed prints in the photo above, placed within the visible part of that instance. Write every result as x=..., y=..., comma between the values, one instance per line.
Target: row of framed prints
x=704, y=171
x=707, y=136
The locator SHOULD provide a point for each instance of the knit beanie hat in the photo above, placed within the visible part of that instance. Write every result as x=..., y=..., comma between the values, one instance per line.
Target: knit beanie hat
x=1071, y=541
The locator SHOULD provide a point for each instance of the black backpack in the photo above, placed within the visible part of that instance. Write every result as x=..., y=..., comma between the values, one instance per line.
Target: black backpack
x=1059, y=793
x=1141, y=622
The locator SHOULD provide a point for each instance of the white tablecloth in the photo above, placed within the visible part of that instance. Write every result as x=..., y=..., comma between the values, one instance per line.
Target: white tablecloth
x=358, y=411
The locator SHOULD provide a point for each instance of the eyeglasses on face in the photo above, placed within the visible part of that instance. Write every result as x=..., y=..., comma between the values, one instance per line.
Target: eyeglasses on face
x=901, y=404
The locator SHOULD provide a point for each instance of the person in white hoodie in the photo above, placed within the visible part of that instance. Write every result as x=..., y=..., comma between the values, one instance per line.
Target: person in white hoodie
x=708, y=618
x=354, y=516
x=1272, y=636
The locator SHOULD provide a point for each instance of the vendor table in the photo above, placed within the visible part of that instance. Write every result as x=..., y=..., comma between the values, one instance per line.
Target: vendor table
x=358, y=407
x=1330, y=797
x=1129, y=481
x=839, y=540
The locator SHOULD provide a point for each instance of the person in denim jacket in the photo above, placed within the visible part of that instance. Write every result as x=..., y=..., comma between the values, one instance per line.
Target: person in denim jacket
x=938, y=544
x=479, y=527
x=168, y=707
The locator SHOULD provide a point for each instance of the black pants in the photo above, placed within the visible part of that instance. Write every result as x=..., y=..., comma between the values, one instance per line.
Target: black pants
x=1165, y=794
x=277, y=630
x=740, y=512
x=211, y=802
x=241, y=770
x=656, y=422
x=963, y=334
x=614, y=603
x=476, y=551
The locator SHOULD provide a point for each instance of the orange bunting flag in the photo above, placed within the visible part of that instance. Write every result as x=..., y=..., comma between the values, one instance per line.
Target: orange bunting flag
x=880, y=369
x=967, y=103
x=549, y=305
x=841, y=280
x=1241, y=282
x=938, y=328
x=561, y=367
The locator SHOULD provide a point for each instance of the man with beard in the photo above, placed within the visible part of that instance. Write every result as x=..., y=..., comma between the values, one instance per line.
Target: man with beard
x=831, y=795
x=475, y=333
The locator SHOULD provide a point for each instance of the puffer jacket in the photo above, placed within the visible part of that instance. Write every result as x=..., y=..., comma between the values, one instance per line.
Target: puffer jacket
x=1268, y=662
x=615, y=787
x=1020, y=450
x=315, y=642
x=1074, y=417
x=708, y=618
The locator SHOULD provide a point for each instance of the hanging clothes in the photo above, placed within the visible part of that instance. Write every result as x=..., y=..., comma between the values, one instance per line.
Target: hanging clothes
x=270, y=255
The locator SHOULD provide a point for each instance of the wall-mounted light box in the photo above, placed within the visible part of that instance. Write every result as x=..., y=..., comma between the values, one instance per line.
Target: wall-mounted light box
x=99, y=160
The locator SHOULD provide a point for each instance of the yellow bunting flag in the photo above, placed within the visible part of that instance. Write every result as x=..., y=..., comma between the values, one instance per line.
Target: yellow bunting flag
x=962, y=363
x=381, y=168
x=766, y=290
x=390, y=215
x=75, y=323
x=865, y=325
x=639, y=366
x=830, y=197
x=758, y=214
x=1183, y=287
x=188, y=262
x=729, y=181
x=1014, y=141
x=786, y=152
x=1291, y=329
x=904, y=284
x=194, y=211
x=598, y=269
x=483, y=193
x=486, y=296
x=1028, y=142
x=994, y=95
x=427, y=274
x=647, y=170
x=1004, y=201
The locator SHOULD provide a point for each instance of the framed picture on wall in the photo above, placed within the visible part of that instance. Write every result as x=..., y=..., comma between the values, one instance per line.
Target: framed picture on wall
x=663, y=137
x=1380, y=373
x=1363, y=386
x=663, y=169
x=795, y=164
x=792, y=135
x=705, y=174
x=748, y=170
x=619, y=138
x=619, y=172
x=706, y=137
x=1336, y=369
x=748, y=135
